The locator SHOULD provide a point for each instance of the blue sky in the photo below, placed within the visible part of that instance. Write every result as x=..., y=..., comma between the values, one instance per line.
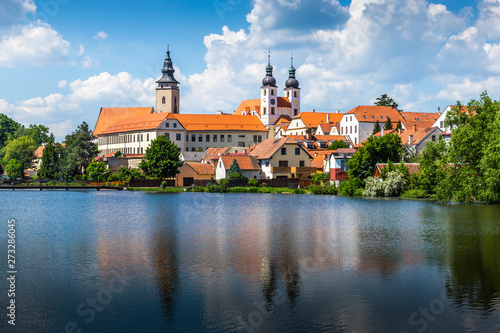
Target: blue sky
x=62, y=60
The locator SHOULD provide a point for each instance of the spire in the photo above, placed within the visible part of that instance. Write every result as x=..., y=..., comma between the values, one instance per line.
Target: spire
x=292, y=82
x=269, y=80
x=168, y=71
x=291, y=71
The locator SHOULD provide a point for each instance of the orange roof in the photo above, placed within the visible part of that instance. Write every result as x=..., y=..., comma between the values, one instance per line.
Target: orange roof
x=110, y=116
x=318, y=159
x=140, y=123
x=284, y=102
x=418, y=136
x=327, y=127
x=313, y=119
x=421, y=119
x=412, y=167
x=372, y=113
x=386, y=132
x=215, y=122
x=202, y=168
x=39, y=152
x=249, y=104
x=245, y=162
x=330, y=137
x=267, y=148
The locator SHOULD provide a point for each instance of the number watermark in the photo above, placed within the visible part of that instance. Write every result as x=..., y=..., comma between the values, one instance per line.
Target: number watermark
x=11, y=272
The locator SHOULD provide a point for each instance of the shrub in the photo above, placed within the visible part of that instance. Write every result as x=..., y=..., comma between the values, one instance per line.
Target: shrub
x=263, y=185
x=349, y=187
x=392, y=186
x=238, y=189
x=264, y=190
x=299, y=191
x=253, y=182
x=415, y=193
x=331, y=190
x=223, y=183
x=197, y=189
x=164, y=184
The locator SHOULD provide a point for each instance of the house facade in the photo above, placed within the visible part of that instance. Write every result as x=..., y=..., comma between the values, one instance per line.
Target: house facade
x=248, y=165
x=336, y=164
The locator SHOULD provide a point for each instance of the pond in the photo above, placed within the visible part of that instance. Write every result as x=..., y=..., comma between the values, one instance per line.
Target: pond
x=106, y=261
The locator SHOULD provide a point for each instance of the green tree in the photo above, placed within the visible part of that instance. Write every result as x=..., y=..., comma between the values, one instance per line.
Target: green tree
x=399, y=126
x=128, y=174
x=22, y=150
x=162, y=159
x=386, y=100
x=8, y=128
x=376, y=128
x=39, y=133
x=337, y=144
x=388, y=125
x=79, y=152
x=319, y=177
x=14, y=169
x=49, y=167
x=118, y=154
x=375, y=150
x=432, y=166
x=97, y=171
x=234, y=172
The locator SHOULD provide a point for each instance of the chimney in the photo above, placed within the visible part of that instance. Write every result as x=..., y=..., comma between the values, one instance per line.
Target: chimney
x=382, y=134
x=219, y=112
x=314, y=110
x=399, y=131
x=247, y=109
x=327, y=117
x=410, y=139
x=414, y=128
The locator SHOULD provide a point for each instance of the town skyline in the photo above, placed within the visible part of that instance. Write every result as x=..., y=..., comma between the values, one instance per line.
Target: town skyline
x=423, y=54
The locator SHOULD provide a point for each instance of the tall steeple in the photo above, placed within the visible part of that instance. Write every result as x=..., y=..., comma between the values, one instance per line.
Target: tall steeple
x=167, y=91
x=292, y=82
x=292, y=90
x=269, y=80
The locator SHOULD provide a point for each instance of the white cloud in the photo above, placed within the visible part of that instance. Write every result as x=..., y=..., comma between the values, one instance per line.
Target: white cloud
x=88, y=62
x=82, y=50
x=12, y=11
x=101, y=35
x=35, y=44
x=61, y=129
x=62, y=84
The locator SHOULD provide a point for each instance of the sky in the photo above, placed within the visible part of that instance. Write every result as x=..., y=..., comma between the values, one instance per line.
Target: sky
x=62, y=60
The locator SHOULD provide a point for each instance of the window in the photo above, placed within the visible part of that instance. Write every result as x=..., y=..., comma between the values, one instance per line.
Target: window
x=350, y=129
x=163, y=99
x=302, y=164
x=187, y=148
x=295, y=112
x=433, y=138
x=272, y=92
x=207, y=138
x=229, y=138
x=265, y=92
x=142, y=137
x=193, y=137
x=417, y=119
x=241, y=136
x=265, y=111
x=267, y=164
x=259, y=138
x=255, y=138
x=241, y=144
x=193, y=149
x=167, y=135
x=187, y=137
x=382, y=117
x=355, y=129
x=133, y=138
x=283, y=164
x=441, y=124
x=341, y=130
x=283, y=151
x=175, y=125
x=147, y=137
x=287, y=94
x=215, y=137
x=178, y=136
x=167, y=125
x=355, y=141
x=295, y=94
x=200, y=138
x=222, y=138
x=142, y=150
x=272, y=110
x=297, y=151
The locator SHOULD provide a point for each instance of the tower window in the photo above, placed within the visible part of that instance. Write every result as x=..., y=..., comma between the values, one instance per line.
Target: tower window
x=272, y=92
x=163, y=99
x=265, y=91
x=272, y=110
x=295, y=94
x=265, y=110
x=295, y=112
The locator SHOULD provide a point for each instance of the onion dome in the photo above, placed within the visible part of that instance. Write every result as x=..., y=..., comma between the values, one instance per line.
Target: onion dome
x=292, y=82
x=269, y=80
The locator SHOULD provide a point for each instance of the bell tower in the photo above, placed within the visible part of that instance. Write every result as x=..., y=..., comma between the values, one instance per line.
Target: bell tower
x=292, y=90
x=167, y=91
x=268, y=96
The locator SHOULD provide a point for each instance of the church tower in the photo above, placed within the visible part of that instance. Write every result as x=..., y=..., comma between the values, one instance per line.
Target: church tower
x=167, y=91
x=268, y=96
x=292, y=90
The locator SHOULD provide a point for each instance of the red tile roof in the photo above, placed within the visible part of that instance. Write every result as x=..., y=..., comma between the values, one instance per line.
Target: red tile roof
x=412, y=168
x=147, y=122
x=372, y=113
x=418, y=136
x=202, y=168
x=214, y=122
x=248, y=106
x=420, y=119
x=39, y=152
x=267, y=148
x=245, y=162
x=313, y=119
x=110, y=116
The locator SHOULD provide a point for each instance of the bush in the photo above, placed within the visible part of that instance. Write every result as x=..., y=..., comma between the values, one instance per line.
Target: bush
x=163, y=184
x=217, y=188
x=349, y=187
x=392, y=186
x=223, y=182
x=330, y=190
x=416, y=193
x=238, y=189
x=299, y=191
x=263, y=185
x=253, y=182
x=253, y=189
x=264, y=190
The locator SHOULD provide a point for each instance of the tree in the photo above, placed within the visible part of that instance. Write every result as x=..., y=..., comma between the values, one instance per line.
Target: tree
x=162, y=159
x=39, y=133
x=8, y=127
x=388, y=125
x=386, y=100
x=118, y=154
x=14, y=169
x=376, y=128
x=337, y=144
x=22, y=150
x=431, y=166
x=319, y=177
x=49, y=167
x=79, y=152
x=97, y=171
x=234, y=172
x=399, y=126
x=375, y=150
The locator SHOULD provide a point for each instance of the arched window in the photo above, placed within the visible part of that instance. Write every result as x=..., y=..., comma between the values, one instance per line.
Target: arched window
x=163, y=100
x=175, y=104
x=272, y=92
x=295, y=94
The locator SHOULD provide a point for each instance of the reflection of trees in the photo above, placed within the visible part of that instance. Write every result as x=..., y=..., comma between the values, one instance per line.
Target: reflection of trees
x=166, y=264
x=474, y=260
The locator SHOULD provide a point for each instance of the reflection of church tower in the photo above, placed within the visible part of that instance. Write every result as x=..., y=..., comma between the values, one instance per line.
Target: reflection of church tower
x=292, y=90
x=167, y=92
x=269, y=99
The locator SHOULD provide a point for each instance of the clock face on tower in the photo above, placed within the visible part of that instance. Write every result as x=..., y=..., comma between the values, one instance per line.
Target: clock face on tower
x=295, y=103
x=264, y=100
x=273, y=101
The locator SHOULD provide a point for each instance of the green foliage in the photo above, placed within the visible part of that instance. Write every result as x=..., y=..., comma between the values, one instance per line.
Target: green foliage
x=415, y=193
x=217, y=188
x=162, y=159
x=349, y=187
x=97, y=171
x=263, y=185
x=50, y=166
x=337, y=144
x=253, y=189
x=8, y=128
x=329, y=190
x=234, y=172
x=163, y=184
x=375, y=150
x=14, y=169
x=388, y=125
x=79, y=151
x=128, y=174
x=118, y=154
x=432, y=166
x=253, y=182
x=320, y=177
x=223, y=183
x=39, y=133
x=199, y=150
x=22, y=150
x=299, y=191
x=386, y=100
x=392, y=186
x=399, y=125
x=376, y=128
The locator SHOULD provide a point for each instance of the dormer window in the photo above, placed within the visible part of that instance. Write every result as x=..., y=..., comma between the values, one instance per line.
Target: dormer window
x=417, y=119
